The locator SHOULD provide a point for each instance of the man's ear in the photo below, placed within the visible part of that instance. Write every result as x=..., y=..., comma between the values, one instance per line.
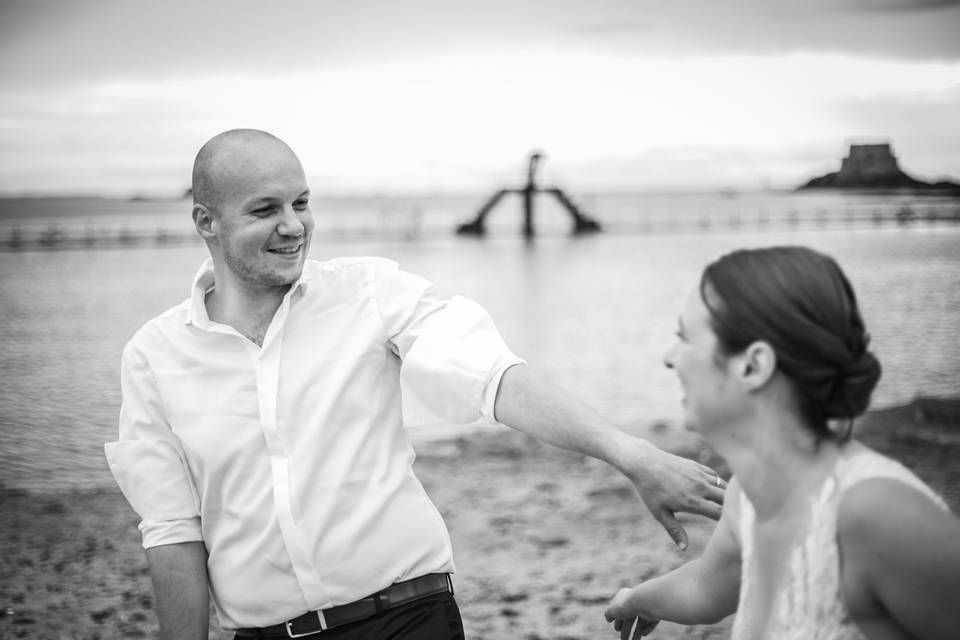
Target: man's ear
x=204, y=221
x=757, y=365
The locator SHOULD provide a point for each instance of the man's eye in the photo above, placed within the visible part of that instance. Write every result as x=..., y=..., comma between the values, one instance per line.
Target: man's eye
x=300, y=205
x=264, y=210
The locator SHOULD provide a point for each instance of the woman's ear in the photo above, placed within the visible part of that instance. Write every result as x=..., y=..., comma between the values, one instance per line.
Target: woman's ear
x=757, y=365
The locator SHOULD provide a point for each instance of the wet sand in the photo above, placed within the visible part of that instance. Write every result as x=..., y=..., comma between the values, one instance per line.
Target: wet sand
x=542, y=538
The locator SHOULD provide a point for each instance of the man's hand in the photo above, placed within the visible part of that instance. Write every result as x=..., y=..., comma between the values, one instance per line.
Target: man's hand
x=667, y=483
x=670, y=484
x=626, y=618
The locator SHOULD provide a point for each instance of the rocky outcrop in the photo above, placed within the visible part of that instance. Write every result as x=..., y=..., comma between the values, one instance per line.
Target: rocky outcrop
x=874, y=167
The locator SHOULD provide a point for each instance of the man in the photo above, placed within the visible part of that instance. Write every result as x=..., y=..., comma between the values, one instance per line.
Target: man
x=261, y=436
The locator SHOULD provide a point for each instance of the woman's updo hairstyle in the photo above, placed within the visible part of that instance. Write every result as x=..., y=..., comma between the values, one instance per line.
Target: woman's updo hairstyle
x=800, y=302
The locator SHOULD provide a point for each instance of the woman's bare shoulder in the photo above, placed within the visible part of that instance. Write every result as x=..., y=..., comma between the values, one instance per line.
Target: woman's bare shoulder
x=888, y=518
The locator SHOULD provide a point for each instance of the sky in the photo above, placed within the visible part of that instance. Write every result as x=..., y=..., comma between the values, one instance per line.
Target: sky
x=114, y=97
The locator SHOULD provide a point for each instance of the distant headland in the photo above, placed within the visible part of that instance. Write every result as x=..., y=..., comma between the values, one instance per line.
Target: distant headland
x=873, y=167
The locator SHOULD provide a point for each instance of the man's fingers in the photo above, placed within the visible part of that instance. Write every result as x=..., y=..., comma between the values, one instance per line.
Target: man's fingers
x=674, y=528
x=706, y=508
x=716, y=480
x=715, y=494
x=712, y=477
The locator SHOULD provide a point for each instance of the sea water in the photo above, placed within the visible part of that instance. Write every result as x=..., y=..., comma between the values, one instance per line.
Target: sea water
x=595, y=313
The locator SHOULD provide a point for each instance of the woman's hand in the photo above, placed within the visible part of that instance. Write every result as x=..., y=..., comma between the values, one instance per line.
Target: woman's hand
x=627, y=617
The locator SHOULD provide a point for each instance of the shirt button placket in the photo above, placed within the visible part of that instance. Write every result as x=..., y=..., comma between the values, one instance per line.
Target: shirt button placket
x=267, y=363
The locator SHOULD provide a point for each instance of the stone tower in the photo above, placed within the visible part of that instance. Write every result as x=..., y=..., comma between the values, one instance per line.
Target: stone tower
x=868, y=163
x=871, y=166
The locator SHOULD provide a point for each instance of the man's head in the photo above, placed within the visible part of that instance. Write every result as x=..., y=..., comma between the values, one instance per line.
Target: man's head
x=251, y=206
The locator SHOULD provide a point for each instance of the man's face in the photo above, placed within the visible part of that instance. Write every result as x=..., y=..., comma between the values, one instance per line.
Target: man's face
x=263, y=220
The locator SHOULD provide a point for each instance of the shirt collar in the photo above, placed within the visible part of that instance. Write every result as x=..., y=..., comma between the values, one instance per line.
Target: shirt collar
x=203, y=283
x=303, y=282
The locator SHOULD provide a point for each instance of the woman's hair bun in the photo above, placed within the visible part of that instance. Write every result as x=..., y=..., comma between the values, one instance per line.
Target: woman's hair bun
x=853, y=387
x=801, y=303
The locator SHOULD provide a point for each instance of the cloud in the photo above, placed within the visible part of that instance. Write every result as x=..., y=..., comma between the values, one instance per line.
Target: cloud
x=897, y=6
x=893, y=29
x=464, y=120
x=44, y=43
x=433, y=94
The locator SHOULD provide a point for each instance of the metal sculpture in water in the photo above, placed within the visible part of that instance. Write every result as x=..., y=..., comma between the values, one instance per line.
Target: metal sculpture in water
x=581, y=222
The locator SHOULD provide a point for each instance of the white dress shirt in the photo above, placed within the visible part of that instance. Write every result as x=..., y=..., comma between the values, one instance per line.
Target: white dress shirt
x=290, y=461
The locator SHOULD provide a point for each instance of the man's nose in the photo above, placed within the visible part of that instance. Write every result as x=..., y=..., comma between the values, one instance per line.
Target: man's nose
x=290, y=223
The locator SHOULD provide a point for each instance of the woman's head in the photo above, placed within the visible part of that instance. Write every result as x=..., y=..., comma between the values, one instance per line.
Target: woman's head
x=800, y=303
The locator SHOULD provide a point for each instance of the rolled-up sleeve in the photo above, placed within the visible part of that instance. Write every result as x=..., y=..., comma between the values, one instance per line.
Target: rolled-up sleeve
x=148, y=462
x=452, y=354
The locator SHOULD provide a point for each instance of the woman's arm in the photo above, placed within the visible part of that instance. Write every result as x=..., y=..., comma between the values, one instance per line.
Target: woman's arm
x=901, y=551
x=704, y=590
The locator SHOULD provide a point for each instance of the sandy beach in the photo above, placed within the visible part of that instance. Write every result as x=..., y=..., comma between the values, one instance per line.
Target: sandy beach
x=542, y=538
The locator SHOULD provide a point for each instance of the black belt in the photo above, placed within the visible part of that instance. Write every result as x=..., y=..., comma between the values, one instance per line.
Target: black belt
x=313, y=622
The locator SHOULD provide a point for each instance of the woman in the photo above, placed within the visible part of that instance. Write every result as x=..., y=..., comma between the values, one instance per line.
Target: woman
x=821, y=537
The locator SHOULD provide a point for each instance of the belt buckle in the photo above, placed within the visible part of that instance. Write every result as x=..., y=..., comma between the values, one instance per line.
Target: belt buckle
x=323, y=627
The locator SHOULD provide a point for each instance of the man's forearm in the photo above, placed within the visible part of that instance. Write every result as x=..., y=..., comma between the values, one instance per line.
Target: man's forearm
x=667, y=483
x=527, y=403
x=179, y=574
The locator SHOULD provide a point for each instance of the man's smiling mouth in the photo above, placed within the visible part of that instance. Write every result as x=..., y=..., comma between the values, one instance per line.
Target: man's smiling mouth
x=286, y=250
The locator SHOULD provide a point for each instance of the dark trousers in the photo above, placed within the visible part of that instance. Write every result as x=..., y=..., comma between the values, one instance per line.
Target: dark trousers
x=435, y=617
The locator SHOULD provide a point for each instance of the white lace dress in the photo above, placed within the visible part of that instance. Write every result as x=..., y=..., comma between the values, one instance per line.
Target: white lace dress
x=810, y=604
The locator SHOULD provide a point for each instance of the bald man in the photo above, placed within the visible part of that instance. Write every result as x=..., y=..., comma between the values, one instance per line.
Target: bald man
x=261, y=433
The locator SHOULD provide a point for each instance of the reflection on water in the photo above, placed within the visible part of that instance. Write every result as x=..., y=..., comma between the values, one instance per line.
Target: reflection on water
x=595, y=314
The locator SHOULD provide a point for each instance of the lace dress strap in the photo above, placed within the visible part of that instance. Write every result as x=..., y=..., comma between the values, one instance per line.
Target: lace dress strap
x=745, y=601
x=867, y=464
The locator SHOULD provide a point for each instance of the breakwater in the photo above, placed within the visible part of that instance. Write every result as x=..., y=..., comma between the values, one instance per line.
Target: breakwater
x=413, y=223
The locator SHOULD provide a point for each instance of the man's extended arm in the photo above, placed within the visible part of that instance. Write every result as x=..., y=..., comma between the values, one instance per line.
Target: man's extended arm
x=667, y=483
x=179, y=574
x=451, y=353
